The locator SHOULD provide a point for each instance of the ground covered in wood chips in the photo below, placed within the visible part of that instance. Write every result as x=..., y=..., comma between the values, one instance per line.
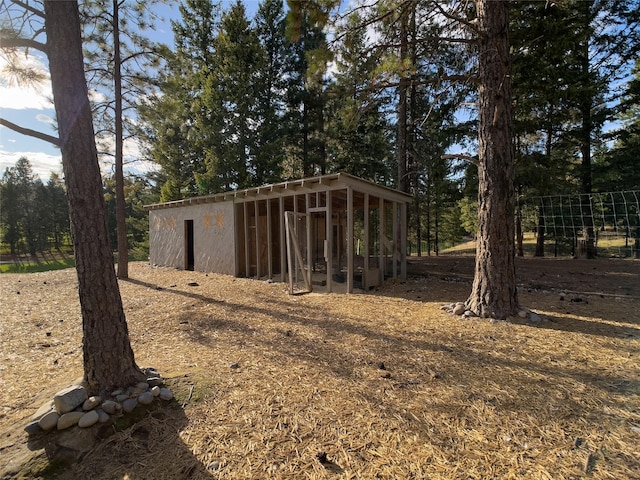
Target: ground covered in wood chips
x=329, y=386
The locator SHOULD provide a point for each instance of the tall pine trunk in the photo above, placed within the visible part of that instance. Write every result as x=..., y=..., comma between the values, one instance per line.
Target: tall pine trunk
x=402, y=132
x=121, y=214
x=108, y=357
x=494, y=292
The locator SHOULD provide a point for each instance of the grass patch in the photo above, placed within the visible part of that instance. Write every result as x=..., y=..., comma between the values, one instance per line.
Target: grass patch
x=37, y=266
x=607, y=245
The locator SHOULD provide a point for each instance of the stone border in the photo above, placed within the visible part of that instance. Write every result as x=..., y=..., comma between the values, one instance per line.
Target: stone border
x=72, y=406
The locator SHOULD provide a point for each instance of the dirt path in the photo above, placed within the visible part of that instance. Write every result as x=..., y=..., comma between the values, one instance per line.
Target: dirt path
x=609, y=277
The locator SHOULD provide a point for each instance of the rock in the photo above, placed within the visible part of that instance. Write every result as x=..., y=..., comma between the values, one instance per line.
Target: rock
x=129, y=405
x=146, y=398
x=69, y=398
x=155, y=391
x=459, y=309
x=46, y=408
x=522, y=313
x=122, y=397
x=49, y=421
x=32, y=427
x=91, y=403
x=143, y=386
x=111, y=407
x=155, y=381
x=117, y=392
x=166, y=394
x=192, y=284
x=69, y=419
x=135, y=391
x=534, y=318
x=103, y=417
x=88, y=419
x=469, y=314
x=234, y=365
x=150, y=371
x=75, y=441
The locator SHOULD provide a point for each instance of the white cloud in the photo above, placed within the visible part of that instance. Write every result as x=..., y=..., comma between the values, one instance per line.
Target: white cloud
x=41, y=163
x=41, y=117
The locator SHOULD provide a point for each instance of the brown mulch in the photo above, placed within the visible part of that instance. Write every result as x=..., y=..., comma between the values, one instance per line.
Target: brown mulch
x=376, y=385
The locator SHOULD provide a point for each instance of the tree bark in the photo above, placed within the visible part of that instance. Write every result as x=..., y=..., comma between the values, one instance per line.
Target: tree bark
x=588, y=244
x=108, y=358
x=403, y=87
x=494, y=292
x=121, y=209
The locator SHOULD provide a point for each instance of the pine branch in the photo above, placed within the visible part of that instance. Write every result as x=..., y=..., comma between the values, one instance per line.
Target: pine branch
x=461, y=156
x=29, y=132
x=28, y=8
x=14, y=42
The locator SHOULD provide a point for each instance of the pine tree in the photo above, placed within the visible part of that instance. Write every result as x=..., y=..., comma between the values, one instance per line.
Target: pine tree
x=226, y=114
x=270, y=23
x=178, y=143
x=494, y=293
x=357, y=130
x=619, y=168
x=119, y=58
x=306, y=97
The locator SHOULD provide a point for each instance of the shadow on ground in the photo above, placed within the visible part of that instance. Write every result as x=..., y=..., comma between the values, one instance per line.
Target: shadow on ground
x=140, y=445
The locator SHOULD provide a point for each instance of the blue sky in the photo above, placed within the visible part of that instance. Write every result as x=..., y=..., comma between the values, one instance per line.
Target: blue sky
x=31, y=108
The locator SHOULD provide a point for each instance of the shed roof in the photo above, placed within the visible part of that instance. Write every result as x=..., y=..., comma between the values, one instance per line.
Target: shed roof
x=330, y=181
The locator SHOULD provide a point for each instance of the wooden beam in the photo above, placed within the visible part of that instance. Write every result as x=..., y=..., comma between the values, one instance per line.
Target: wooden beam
x=395, y=232
x=349, y=239
x=307, y=199
x=382, y=237
x=256, y=208
x=269, y=242
x=403, y=240
x=365, y=268
x=289, y=263
x=329, y=258
x=247, y=259
x=283, y=255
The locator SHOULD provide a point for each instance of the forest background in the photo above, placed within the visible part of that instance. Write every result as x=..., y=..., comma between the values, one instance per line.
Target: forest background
x=379, y=91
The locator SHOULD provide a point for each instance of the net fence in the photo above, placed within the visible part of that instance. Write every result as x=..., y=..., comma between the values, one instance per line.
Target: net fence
x=563, y=220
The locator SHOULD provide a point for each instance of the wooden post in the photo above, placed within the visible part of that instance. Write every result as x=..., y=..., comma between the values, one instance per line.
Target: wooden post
x=307, y=199
x=365, y=268
x=256, y=209
x=247, y=258
x=269, y=241
x=283, y=255
x=382, y=235
x=403, y=240
x=395, y=232
x=349, y=239
x=289, y=255
x=329, y=221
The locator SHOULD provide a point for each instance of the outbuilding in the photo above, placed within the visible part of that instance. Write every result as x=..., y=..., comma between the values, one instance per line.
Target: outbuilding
x=336, y=231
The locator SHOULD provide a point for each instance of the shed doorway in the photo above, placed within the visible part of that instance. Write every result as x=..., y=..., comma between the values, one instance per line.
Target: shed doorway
x=189, y=250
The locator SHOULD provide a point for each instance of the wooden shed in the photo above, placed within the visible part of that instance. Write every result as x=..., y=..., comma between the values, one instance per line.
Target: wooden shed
x=336, y=231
